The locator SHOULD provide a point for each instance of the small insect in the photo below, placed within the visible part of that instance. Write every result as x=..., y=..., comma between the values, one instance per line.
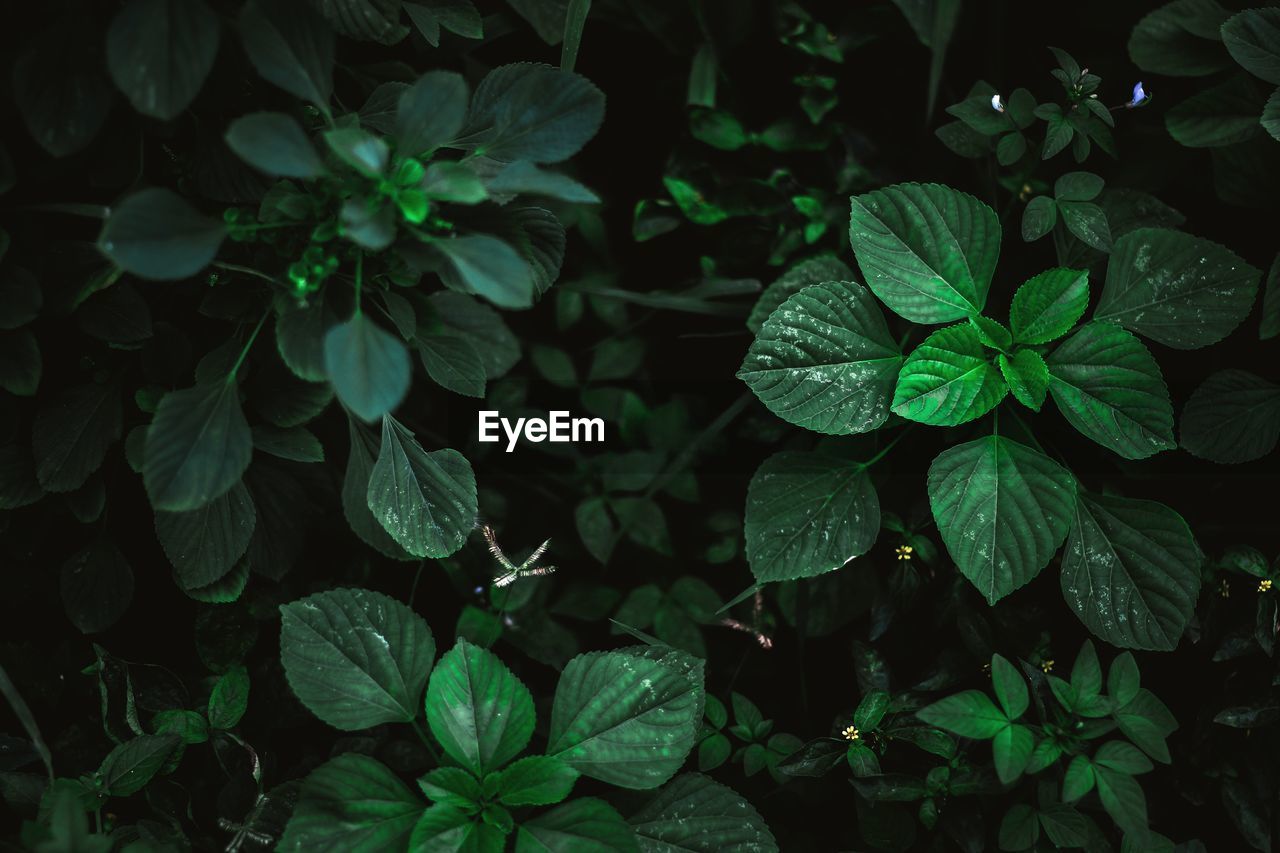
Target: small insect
x=512, y=573
x=756, y=628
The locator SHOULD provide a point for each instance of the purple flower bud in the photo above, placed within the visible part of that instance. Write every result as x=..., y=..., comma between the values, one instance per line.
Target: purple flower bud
x=1140, y=96
x=997, y=104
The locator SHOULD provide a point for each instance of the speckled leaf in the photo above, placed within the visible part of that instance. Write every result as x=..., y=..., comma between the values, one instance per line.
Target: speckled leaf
x=356, y=658
x=949, y=379
x=1027, y=375
x=797, y=278
x=1002, y=509
x=365, y=445
x=1131, y=571
x=695, y=813
x=808, y=514
x=352, y=803
x=1234, y=416
x=1180, y=290
x=928, y=251
x=426, y=501
x=624, y=718
x=825, y=361
x=1110, y=389
x=479, y=711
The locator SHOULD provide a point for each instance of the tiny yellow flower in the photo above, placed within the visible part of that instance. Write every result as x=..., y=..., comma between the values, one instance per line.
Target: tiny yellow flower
x=904, y=552
x=1264, y=585
x=1224, y=589
x=850, y=733
x=986, y=670
x=1047, y=665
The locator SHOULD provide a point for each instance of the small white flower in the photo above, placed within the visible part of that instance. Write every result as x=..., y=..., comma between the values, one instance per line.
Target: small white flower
x=996, y=103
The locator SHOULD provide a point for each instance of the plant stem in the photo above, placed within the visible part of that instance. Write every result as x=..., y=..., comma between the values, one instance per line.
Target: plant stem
x=874, y=459
x=359, y=279
x=231, y=376
x=223, y=265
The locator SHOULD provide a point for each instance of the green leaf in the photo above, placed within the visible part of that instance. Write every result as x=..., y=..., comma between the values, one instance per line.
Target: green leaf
x=96, y=586
x=1270, y=120
x=1146, y=721
x=694, y=813
x=1109, y=387
x=969, y=714
x=453, y=786
x=155, y=234
x=20, y=363
x=351, y=803
x=445, y=827
x=291, y=46
x=871, y=710
x=1088, y=222
x=1002, y=509
x=625, y=718
x=586, y=824
x=533, y=112
x=453, y=363
x=1057, y=136
x=1019, y=829
x=296, y=444
x=228, y=587
x=523, y=177
x=1123, y=679
x=356, y=658
x=1123, y=799
x=824, y=360
x=455, y=182
x=1234, y=416
x=1048, y=305
x=159, y=53
x=300, y=334
x=276, y=144
x=928, y=251
x=1086, y=672
x=992, y=333
x=230, y=699
x=1180, y=290
x=488, y=267
x=1010, y=687
x=363, y=151
x=198, y=446
x=538, y=780
x=1078, y=186
x=1065, y=826
x=190, y=726
x=1131, y=571
x=949, y=379
x=1038, y=218
x=1253, y=38
x=431, y=112
x=1222, y=115
x=1181, y=39
x=368, y=366
x=365, y=447
x=823, y=268
x=132, y=764
x=1011, y=749
x=1027, y=376
x=426, y=501
x=72, y=433
x=808, y=514
x=456, y=16
x=1122, y=757
x=481, y=714
x=1078, y=780
x=203, y=544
